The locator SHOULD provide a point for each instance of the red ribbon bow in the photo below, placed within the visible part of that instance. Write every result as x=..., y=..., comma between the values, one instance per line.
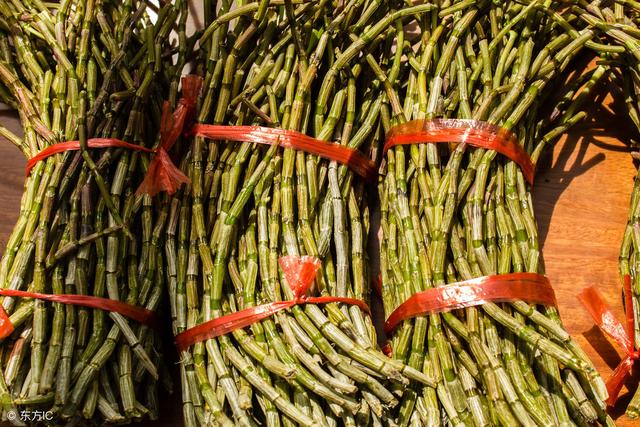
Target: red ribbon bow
x=610, y=325
x=300, y=273
x=162, y=174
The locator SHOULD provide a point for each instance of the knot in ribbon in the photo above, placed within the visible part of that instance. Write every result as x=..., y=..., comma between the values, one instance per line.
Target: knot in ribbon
x=162, y=174
x=621, y=334
x=299, y=272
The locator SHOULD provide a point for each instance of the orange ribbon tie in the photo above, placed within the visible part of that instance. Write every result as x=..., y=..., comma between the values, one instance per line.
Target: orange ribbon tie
x=300, y=273
x=621, y=334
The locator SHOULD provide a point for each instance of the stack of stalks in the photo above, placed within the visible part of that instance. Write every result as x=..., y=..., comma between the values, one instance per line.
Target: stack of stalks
x=455, y=212
x=314, y=68
x=76, y=70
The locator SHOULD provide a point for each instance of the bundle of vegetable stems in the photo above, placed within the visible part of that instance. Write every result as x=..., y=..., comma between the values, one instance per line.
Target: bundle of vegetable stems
x=75, y=70
x=452, y=213
x=292, y=67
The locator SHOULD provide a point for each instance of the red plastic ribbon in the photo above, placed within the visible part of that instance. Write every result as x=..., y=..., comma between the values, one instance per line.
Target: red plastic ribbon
x=291, y=139
x=530, y=287
x=75, y=146
x=162, y=174
x=387, y=350
x=6, y=327
x=300, y=272
x=473, y=132
x=610, y=325
x=139, y=314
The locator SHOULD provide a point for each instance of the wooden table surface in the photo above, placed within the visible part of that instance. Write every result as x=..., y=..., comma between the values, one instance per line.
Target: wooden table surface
x=581, y=199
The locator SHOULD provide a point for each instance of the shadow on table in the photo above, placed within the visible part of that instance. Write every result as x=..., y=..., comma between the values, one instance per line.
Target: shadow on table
x=554, y=179
x=606, y=121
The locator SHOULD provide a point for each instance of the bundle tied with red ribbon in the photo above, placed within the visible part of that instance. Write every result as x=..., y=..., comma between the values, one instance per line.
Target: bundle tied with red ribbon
x=270, y=180
x=84, y=271
x=461, y=275
x=621, y=334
